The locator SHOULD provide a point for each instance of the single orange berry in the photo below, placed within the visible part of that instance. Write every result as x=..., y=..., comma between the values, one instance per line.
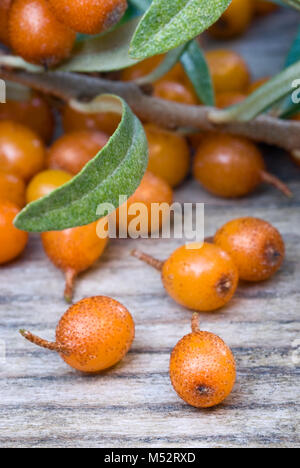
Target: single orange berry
x=235, y=21
x=36, y=35
x=169, y=156
x=92, y=336
x=175, y=91
x=33, y=112
x=45, y=182
x=229, y=71
x=198, y=278
x=202, y=368
x=230, y=167
x=255, y=246
x=73, y=120
x=12, y=241
x=142, y=69
x=4, y=15
x=74, y=150
x=73, y=251
x=229, y=98
x=22, y=152
x=152, y=190
x=263, y=7
x=89, y=16
x=255, y=85
x=12, y=188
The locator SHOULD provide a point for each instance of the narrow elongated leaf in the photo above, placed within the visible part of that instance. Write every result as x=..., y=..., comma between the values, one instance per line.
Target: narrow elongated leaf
x=107, y=52
x=116, y=170
x=142, y=5
x=19, y=63
x=195, y=65
x=168, y=24
x=268, y=94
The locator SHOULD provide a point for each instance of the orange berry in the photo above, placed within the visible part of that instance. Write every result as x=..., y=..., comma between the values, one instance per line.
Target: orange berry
x=45, y=182
x=255, y=85
x=92, y=336
x=12, y=241
x=73, y=120
x=230, y=166
x=141, y=69
x=73, y=251
x=229, y=71
x=36, y=35
x=152, y=190
x=4, y=14
x=263, y=7
x=21, y=151
x=33, y=112
x=202, y=368
x=169, y=156
x=89, y=16
x=74, y=150
x=198, y=278
x=256, y=247
x=228, y=99
x=235, y=21
x=175, y=91
x=12, y=188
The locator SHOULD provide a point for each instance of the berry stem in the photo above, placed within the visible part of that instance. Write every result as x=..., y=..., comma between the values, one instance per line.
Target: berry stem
x=69, y=289
x=273, y=180
x=157, y=264
x=195, y=323
x=52, y=346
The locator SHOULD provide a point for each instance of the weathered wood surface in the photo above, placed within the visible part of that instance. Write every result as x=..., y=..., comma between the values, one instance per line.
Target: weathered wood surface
x=45, y=404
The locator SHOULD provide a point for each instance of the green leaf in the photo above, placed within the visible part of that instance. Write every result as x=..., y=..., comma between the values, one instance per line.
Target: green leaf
x=195, y=65
x=107, y=52
x=168, y=24
x=142, y=5
x=116, y=170
x=268, y=94
x=14, y=61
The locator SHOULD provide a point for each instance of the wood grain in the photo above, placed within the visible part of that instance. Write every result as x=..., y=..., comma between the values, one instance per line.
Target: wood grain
x=43, y=403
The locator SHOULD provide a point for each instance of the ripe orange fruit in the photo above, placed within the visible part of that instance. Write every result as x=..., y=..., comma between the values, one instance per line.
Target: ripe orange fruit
x=255, y=246
x=34, y=113
x=141, y=69
x=45, y=182
x=36, y=35
x=93, y=335
x=73, y=120
x=235, y=21
x=230, y=166
x=73, y=251
x=202, y=368
x=89, y=16
x=22, y=152
x=202, y=279
x=12, y=241
x=229, y=98
x=74, y=150
x=4, y=13
x=229, y=71
x=12, y=188
x=176, y=91
x=169, y=156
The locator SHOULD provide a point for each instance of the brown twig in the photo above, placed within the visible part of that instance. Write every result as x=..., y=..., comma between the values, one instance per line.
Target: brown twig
x=153, y=262
x=67, y=86
x=52, y=346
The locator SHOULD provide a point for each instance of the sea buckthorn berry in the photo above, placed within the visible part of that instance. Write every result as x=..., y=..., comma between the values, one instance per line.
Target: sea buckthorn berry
x=202, y=368
x=92, y=336
x=255, y=85
x=152, y=190
x=73, y=120
x=45, y=182
x=198, y=278
x=74, y=150
x=12, y=241
x=175, y=91
x=230, y=167
x=36, y=34
x=73, y=251
x=235, y=21
x=4, y=15
x=89, y=16
x=22, y=152
x=33, y=112
x=263, y=7
x=229, y=71
x=169, y=156
x=229, y=98
x=255, y=246
x=12, y=188
x=141, y=69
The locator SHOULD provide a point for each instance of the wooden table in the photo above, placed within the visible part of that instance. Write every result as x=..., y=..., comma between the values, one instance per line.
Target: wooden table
x=43, y=403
